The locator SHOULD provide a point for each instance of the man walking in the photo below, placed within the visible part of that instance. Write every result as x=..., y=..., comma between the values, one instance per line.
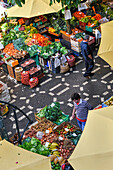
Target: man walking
x=88, y=57
x=81, y=107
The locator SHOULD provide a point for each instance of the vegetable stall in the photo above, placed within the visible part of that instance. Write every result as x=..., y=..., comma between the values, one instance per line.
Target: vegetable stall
x=45, y=40
x=52, y=136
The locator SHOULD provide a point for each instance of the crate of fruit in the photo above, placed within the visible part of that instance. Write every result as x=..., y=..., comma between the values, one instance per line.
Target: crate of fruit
x=108, y=102
x=90, y=28
x=66, y=125
x=82, y=23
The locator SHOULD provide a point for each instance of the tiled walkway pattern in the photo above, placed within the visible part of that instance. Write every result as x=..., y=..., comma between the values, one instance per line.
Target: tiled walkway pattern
x=59, y=87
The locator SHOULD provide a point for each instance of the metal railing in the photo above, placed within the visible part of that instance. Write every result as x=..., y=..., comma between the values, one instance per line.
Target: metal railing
x=16, y=120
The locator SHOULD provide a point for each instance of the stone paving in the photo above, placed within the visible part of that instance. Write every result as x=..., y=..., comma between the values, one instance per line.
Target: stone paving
x=59, y=87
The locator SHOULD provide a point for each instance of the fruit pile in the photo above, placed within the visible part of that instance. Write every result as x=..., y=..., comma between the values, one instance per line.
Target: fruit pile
x=59, y=145
x=10, y=50
x=79, y=14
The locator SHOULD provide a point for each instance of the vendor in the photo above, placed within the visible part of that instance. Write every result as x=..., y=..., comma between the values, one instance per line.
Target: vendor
x=81, y=107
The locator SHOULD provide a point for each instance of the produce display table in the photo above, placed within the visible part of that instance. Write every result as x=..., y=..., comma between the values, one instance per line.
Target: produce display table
x=50, y=139
x=108, y=102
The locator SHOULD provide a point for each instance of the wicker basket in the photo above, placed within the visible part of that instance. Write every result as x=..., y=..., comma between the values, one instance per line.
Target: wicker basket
x=18, y=71
x=64, y=68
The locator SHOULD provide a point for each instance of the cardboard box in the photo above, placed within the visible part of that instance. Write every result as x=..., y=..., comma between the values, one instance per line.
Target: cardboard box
x=75, y=48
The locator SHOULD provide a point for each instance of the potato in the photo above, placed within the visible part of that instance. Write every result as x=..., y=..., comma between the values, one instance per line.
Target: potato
x=52, y=157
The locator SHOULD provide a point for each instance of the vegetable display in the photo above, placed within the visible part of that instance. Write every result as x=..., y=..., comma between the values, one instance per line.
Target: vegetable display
x=19, y=44
x=12, y=35
x=10, y=50
x=32, y=50
x=58, y=24
x=53, y=111
x=35, y=146
x=52, y=49
x=74, y=136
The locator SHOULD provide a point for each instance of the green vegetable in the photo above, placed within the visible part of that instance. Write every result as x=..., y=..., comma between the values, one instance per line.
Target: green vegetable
x=74, y=139
x=19, y=44
x=35, y=146
x=32, y=50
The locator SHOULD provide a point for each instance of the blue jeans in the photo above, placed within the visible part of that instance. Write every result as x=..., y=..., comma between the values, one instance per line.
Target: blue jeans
x=89, y=67
x=81, y=124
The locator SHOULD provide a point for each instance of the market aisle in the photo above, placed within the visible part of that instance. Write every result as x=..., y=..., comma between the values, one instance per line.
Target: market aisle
x=59, y=87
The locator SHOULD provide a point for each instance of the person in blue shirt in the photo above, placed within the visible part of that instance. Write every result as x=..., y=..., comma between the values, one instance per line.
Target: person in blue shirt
x=88, y=56
x=81, y=107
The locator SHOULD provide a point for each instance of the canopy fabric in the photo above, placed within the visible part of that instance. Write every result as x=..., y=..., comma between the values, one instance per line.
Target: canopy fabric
x=13, y=157
x=106, y=45
x=33, y=8
x=94, y=150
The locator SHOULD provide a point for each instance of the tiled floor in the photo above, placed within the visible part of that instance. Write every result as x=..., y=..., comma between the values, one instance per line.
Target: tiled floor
x=59, y=87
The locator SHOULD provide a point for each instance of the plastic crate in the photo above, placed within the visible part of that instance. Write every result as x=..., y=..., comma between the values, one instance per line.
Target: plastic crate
x=27, y=67
x=90, y=29
x=65, y=118
x=82, y=23
x=22, y=59
x=76, y=53
x=36, y=74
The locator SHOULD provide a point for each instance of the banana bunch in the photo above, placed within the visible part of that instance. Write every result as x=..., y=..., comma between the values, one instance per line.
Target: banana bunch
x=18, y=2
x=53, y=148
x=56, y=153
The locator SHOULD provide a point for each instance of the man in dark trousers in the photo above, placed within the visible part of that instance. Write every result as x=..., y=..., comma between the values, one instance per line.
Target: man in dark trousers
x=88, y=57
x=81, y=108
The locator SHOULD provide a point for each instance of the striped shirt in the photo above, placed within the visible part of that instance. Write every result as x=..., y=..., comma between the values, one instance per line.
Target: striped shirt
x=82, y=109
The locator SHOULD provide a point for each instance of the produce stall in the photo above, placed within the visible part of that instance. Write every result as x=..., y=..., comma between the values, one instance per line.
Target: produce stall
x=108, y=102
x=54, y=139
x=35, y=38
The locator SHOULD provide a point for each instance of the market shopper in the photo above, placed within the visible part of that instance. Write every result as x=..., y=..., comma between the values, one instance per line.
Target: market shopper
x=81, y=108
x=88, y=57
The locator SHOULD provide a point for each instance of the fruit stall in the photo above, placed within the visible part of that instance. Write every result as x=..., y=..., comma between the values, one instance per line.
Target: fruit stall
x=27, y=52
x=52, y=135
x=44, y=39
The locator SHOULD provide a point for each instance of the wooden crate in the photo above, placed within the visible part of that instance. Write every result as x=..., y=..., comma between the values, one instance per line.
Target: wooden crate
x=75, y=48
x=65, y=36
x=75, y=43
x=53, y=33
x=39, y=119
x=64, y=124
x=11, y=71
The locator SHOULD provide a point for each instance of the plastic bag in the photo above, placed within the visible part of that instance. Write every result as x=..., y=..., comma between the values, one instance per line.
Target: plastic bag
x=39, y=134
